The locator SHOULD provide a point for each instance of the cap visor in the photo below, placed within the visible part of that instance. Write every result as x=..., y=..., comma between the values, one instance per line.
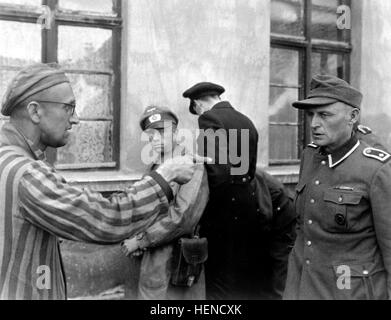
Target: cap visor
x=313, y=102
x=159, y=125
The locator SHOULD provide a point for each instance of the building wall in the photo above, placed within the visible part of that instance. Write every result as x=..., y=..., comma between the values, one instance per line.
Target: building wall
x=171, y=45
x=167, y=47
x=371, y=67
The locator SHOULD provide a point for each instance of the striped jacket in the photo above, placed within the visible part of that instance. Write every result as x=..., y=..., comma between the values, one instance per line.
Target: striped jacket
x=37, y=206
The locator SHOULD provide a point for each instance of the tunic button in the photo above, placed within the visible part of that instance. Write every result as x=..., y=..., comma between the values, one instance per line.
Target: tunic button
x=244, y=179
x=233, y=199
x=340, y=199
x=312, y=201
x=365, y=272
x=340, y=219
x=278, y=209
x=309, y=243
x=308, y=262
x=323, y=163
x=310, y=222
x=317, y=182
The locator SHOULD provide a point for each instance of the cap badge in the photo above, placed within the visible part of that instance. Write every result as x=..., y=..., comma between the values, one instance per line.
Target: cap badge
x=155, y=118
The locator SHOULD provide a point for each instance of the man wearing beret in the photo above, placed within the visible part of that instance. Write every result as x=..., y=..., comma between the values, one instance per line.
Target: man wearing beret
x=160, y=124
x=230, y=221
x=343, y=199
x=37, y=205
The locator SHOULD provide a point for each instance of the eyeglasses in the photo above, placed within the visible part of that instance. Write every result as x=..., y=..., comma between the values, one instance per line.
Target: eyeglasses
x=69, y=107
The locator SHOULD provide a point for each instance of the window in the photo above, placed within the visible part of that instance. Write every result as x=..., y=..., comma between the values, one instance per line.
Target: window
x=84, y=38
x=305, y=41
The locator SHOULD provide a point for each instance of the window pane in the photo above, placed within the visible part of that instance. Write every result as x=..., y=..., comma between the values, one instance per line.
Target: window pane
x=283, y=143
x=85, y=48
x=104, y=7
x=34, y=3
x=284, y=66
x=281, y=109
x=327, y=63
x=90, y=143
x=20, y=43
x=93, y=95
x=287, y=17
x=324, y=21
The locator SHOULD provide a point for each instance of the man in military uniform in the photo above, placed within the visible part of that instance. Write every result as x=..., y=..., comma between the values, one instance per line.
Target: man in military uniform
x=343, y=199
x=232, y=221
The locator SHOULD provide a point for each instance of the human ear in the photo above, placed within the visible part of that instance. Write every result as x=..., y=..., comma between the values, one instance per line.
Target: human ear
x=34, y=111
x=355, y=115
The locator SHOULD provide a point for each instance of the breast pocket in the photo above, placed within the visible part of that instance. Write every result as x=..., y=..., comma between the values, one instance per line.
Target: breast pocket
x=342, y=210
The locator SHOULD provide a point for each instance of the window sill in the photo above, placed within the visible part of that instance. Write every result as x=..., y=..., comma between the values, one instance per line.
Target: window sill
x=109, y=181
x=112, y=181
x=285, y=174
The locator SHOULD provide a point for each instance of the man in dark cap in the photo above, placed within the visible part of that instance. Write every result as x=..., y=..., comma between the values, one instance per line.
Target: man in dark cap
x=232, y=221
x=156, y=244
x=37, y=205
x=343, y=199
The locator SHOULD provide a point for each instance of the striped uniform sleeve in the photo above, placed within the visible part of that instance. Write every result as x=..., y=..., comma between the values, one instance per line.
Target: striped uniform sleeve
x=49, y=202
x=183, y=216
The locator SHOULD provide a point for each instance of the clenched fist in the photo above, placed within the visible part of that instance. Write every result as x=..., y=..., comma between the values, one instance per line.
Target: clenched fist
x=181, y=169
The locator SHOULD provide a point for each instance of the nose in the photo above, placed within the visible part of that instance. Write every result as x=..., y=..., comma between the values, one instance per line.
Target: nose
x=156, y=137
x=74, y=120
x=314, y=121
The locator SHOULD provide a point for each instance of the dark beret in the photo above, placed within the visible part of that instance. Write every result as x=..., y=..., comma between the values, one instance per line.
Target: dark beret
x=155, y=117
x=327, y=89
x=201, y=90
x=30, y=81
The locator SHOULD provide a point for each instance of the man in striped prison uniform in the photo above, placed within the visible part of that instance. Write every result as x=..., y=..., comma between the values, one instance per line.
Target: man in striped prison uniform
x=37, y=205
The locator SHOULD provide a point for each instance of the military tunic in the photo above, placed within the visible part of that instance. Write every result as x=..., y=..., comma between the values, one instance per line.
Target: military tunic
x=343, y=246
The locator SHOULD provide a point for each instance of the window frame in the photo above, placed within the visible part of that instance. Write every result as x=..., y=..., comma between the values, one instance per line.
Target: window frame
x=49, y=54
x=306, y=45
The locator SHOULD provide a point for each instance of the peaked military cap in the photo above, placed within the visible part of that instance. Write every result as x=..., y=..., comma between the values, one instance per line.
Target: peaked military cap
x=201, y=90
x=155, y=117
x=327, y=89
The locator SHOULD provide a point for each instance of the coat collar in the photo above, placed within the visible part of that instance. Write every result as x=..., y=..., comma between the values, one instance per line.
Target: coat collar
x=344, y=152
x=12, y=136
x=222, y=105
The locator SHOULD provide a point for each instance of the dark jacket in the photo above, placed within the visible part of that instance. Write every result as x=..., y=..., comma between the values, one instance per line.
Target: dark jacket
x=233, y=221
x=278, y=234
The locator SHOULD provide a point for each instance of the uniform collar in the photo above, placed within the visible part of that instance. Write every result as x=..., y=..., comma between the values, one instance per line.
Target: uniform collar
x=344, y=152
x=12, y=136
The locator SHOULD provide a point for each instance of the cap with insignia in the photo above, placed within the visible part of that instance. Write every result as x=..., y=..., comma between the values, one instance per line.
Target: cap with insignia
x=201, y=90
x=155, y=117
x=327, y=89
